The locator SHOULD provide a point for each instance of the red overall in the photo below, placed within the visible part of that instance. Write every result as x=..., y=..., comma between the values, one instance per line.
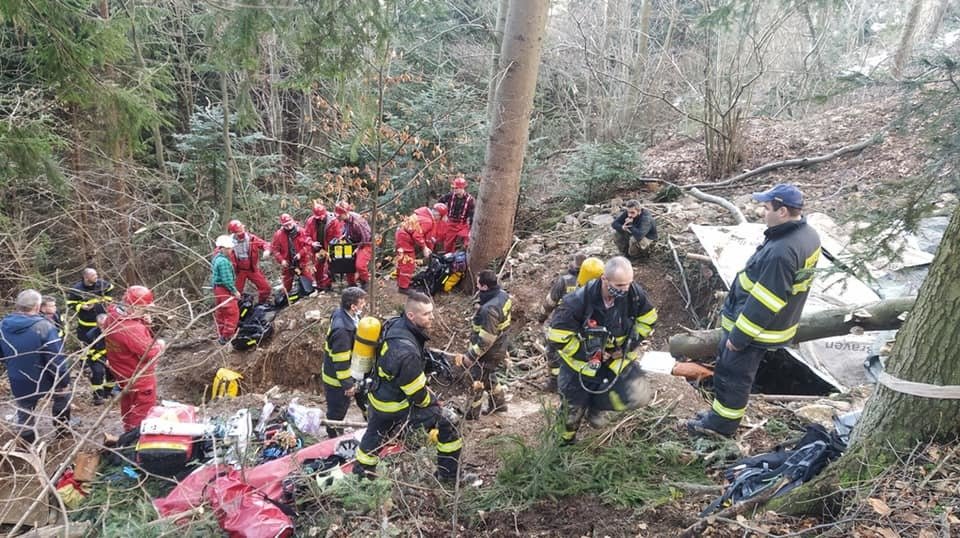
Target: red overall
x=300, y=258
x=321, y=232
x=459, y=219
x=249, y=268
x=131, y=352
x=416, y=232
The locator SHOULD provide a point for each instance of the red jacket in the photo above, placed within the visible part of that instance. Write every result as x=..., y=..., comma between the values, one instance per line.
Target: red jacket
x=332, y=229
x=252, y=263
x=130, y=344
x=417, y=231
x=301, y=243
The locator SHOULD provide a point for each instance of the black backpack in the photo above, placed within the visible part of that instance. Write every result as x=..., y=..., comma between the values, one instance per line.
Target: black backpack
x=752, y=476
x=256, y=325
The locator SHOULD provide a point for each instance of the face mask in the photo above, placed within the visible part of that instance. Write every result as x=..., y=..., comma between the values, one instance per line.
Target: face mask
x=616, y=293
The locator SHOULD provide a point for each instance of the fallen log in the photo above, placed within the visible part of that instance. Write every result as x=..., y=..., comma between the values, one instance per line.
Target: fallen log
x=879, y=316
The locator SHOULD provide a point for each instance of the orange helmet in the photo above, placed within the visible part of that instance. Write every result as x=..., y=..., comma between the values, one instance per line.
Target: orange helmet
x=459, y=183
x=342, y=207
x=285, y=219
x=441, y=209
x=138, y=296
x=234, y=226
x=319, y=211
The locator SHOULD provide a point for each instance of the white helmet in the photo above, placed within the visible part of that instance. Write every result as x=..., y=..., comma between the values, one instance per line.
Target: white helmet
x=225, y=241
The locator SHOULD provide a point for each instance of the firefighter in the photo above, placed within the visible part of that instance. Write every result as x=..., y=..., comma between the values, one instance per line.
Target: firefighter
x=322, y=228
x=400, y=397
x=88, y=299
x=578, y=271
x=337, y=383
x=597, y=331
x=247, y=252
x=356, y=230
x=416, y=232
x=488, y=345
x=763, y=308
x=460, y=216
x=32, y=352
x=133, y=352
x=293, y=250
x=226, y=295
x=634, y=230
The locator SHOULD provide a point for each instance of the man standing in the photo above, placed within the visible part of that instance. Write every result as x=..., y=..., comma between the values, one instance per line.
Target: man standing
x=488, y=344
x=32, y=352
x=133, y=353
x=226, y=312
x=356, y=230
x=460, y=216
x=294, y=252
x=763, y=308
x=634, y=230
x=247, y=250
x=48, y=308
x=416, y=232
x=597, y=331
x=400, y=396
x=322, y=228
x=88, y=299
x=337, y=383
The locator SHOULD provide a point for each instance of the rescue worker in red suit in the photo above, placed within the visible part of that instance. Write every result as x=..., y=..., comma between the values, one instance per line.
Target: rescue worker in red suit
x=460, y=205
x=322, y=228
x=356, y=230
x=247, y=251
x=132, y=352
x=418, y=231
x=293, y=250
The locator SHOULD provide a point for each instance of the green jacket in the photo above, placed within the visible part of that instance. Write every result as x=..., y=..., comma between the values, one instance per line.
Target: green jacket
x=223, y=274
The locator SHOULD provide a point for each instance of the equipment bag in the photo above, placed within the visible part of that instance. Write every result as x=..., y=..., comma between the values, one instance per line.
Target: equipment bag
x=167, y=439
x=442, y=272
x=253, y=329
x=342, y=256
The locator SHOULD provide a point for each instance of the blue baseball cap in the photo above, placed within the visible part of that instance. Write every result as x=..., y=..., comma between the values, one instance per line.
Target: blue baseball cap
x=784, y=193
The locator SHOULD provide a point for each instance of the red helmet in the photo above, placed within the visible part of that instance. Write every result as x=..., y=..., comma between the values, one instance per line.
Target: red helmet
x=441, y=209
x=459, y=182
x=234, y=226
x=138, y=296
x=342, y=207
x=285, y=219
x=319, y=211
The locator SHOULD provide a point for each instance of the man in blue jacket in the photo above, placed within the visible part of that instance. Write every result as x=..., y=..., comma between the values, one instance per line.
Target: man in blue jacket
x=634, y=231
x=32, y=351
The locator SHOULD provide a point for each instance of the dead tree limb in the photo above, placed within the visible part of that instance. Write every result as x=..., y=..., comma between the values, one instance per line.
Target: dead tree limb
x=701, y=525
x=722, y=202
x=791, y=163
x=879, y=316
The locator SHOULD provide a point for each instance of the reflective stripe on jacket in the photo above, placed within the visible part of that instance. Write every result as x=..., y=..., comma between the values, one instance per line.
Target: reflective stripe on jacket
x=765, y=302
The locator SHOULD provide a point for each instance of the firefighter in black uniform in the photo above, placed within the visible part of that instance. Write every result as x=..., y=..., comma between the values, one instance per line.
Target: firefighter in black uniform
x=337, y=383
x=88, y=299
x=597, y=331
x=487, y=351
x=763, y=308
x=399, y=396
x=580, y=271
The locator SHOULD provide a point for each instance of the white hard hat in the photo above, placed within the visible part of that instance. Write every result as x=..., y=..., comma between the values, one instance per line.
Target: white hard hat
x=225, y=241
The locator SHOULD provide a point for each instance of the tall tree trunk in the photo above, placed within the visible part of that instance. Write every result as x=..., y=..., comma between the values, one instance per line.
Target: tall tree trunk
x=227, y=153
x=906, y=39
x=492, y=231
x=925, y=352
x=502, y=7
x=936, y=21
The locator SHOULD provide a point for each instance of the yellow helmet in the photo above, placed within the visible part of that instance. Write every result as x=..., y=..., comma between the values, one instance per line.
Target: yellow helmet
x=590, y=269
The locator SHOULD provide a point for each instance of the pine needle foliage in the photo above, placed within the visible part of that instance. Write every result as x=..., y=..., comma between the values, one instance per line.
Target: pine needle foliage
x=597, y=171
x=629, y=465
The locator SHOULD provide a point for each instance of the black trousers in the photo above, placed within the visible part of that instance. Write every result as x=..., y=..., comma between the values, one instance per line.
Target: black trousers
x=605, y=391
x=337, y=405
x=27, y=418
x=381, y=425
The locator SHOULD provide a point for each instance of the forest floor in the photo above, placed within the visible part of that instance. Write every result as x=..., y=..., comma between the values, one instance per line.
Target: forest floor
x=291, y=359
